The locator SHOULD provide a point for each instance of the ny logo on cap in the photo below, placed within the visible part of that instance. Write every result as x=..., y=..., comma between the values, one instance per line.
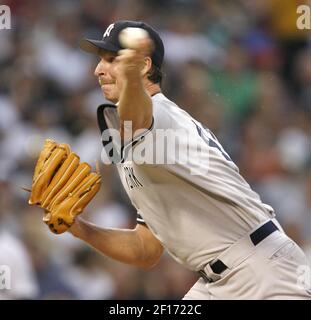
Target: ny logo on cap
x=5, y=277
x=108, y=30
x=5, y=17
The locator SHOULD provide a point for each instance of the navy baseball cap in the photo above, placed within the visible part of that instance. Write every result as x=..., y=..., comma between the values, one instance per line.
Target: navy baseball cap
x=110, y=40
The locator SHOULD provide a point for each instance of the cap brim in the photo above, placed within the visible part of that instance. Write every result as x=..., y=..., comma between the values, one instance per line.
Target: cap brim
x=93, y=46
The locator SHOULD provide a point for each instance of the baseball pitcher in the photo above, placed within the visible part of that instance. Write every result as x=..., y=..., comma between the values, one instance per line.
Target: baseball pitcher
x=189, y=195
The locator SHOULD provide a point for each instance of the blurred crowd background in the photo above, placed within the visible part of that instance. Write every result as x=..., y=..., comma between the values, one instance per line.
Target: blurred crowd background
x=240, y=67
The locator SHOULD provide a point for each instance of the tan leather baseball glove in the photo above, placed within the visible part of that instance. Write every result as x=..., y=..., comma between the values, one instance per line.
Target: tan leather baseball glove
x=62, y=185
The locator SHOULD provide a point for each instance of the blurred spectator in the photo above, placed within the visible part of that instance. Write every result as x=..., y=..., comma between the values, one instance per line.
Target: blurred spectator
x=282, y=17
x=303, y=78
x=183, y=42
x=89, y=279
x=13, y=254
x=236, y=84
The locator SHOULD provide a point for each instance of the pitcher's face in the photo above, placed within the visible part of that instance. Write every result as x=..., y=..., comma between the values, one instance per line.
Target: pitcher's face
x=106, y=76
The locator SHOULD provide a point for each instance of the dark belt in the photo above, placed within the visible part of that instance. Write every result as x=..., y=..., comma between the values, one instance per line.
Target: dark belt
x=256, y=237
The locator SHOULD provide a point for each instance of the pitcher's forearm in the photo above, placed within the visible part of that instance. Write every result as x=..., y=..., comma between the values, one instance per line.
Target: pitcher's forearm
x=123, y=245
x=135, y=108
x=135, y=104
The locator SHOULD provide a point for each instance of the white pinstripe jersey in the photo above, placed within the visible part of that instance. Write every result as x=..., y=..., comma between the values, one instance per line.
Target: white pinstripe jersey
x=196, y=208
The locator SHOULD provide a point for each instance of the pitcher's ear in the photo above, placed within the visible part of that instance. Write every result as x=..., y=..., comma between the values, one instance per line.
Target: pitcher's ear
x=147, y=66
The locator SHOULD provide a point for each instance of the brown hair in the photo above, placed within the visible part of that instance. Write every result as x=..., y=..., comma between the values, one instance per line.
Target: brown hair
x=155, y=74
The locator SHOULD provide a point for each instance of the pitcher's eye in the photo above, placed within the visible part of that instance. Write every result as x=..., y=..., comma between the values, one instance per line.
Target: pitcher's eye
x=111, y=59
